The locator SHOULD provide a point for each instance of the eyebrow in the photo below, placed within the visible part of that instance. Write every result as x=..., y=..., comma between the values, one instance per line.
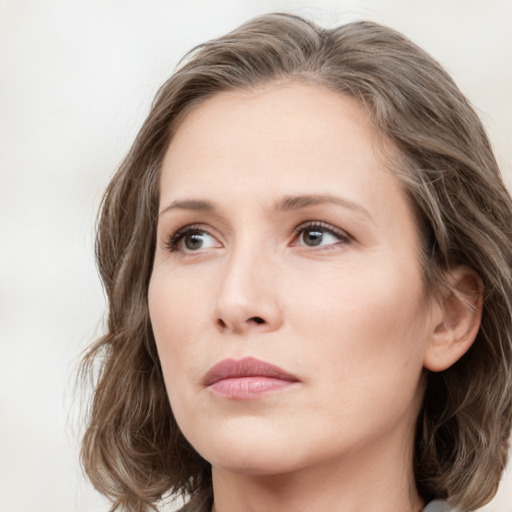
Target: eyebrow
x=189, y=204
x=286, y=203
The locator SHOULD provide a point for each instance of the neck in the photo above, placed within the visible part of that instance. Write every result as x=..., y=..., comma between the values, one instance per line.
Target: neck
x=379, y=480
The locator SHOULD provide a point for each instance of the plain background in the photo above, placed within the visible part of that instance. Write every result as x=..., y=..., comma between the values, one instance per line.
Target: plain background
x=76, y=80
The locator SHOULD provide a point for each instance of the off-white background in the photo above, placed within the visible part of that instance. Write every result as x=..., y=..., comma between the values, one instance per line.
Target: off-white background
x=76, y=80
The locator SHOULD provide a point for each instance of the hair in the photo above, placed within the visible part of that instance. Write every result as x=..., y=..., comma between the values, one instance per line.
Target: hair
x=133, y=450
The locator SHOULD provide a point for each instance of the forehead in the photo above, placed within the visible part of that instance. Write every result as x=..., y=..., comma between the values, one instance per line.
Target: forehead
x=279, y=129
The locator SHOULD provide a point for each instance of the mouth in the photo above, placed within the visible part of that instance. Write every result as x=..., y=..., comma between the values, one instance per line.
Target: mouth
x=247, y=378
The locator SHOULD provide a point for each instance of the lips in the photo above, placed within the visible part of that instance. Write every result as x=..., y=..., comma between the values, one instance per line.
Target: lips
x=246, y=378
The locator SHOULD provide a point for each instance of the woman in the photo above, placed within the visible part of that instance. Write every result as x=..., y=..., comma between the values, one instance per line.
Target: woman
x=307, y=255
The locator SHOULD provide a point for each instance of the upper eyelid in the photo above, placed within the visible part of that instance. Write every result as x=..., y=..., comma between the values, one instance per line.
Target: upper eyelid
x=167, y=229
x=323, y=225
x=186, y=229
x=190, y=227
x=303, y=225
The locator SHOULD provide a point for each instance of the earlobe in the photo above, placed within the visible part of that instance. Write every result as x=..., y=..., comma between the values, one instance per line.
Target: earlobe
x=456, y=319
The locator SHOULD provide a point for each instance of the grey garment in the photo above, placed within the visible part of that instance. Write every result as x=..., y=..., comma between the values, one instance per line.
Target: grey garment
x=204, y=503
x=438, y=506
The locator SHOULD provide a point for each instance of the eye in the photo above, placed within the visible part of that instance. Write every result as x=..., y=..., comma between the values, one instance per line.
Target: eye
x=191, y=239
x=319, y=234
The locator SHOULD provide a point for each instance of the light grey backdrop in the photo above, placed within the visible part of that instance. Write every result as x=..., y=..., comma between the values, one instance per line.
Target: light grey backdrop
x=76, y=81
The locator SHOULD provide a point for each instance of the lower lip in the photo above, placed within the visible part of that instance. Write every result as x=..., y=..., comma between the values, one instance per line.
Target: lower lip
x=248, y=388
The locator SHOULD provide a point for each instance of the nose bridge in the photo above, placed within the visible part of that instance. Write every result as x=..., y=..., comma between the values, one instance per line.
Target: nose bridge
x=248, y=294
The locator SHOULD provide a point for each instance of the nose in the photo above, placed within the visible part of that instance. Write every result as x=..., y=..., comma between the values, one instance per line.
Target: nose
x=248, y=295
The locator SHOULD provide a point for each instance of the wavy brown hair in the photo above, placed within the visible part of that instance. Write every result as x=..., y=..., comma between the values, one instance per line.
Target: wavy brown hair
x=133, y=451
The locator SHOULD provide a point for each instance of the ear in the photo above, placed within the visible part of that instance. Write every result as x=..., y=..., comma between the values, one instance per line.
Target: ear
x=456, y=319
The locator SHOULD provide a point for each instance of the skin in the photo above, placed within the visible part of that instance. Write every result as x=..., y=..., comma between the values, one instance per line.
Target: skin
x=348, y=316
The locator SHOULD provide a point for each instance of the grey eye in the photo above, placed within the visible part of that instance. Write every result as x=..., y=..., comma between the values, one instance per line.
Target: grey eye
x=318, y=236
x=194, y=241
x=312, y=237
x=197, y=240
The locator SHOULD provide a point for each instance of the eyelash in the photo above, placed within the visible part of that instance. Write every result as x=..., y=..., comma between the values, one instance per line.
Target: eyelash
x=172, y=244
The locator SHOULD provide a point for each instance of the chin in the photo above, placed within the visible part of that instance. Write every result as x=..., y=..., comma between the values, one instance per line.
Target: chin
x=255, y=462
x=247, y=447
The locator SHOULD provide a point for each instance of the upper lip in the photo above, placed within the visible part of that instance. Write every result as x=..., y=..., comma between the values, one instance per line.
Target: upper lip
x=246, y=367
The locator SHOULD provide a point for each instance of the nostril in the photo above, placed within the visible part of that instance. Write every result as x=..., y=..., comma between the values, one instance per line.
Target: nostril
x=222, y=325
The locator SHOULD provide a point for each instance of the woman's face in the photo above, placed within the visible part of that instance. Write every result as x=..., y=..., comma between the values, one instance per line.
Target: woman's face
x=284, y=242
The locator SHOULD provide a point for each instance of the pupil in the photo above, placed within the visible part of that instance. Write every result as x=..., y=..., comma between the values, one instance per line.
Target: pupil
x=313, y=237
x=194, y=241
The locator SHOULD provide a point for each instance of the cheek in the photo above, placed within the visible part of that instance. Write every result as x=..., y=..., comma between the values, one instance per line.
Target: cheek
x=367, y=338
x=371, y=323
x=163, y=316
x=175, y=303
x=178, y=313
